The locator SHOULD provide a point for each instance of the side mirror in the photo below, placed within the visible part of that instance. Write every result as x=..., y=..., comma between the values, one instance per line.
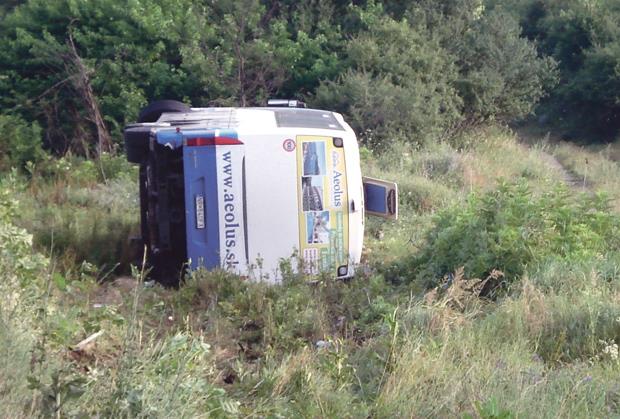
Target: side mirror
x=380, y=198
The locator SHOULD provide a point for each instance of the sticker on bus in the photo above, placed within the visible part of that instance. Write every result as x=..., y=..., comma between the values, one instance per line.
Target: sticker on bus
x=233, y=250
x=323, y=210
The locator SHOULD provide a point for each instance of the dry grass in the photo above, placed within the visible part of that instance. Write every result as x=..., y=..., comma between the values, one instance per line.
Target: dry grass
x=504, y=357
x=611, y=151
x=499, y=155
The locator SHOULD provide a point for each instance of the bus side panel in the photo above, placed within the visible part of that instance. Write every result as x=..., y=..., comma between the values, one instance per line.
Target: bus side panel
x=271, y=197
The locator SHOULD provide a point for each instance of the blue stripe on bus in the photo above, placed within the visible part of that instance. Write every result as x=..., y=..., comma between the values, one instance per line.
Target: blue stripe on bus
x=200, y=173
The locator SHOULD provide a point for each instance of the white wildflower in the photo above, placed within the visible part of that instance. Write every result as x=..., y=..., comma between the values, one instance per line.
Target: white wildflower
x=611, y=350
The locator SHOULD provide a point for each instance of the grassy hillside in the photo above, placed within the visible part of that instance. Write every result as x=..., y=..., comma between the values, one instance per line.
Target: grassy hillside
x=495, y=295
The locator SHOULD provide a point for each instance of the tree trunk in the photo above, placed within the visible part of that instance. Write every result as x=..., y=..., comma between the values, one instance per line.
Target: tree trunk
x=81, y=83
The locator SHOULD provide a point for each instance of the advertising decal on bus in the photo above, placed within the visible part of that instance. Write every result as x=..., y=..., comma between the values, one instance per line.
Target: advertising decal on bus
x=230, y=197
x=322, y=196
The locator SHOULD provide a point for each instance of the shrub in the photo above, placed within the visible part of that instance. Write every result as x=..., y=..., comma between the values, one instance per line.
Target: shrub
x=584, y=39
x=17, y=260
x=510, y=229
x=174, y=374
x=21, y=275
x=21, y=142
x=74, y=170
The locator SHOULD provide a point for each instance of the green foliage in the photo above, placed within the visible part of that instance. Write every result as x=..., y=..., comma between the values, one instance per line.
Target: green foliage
x=282, y=316
x=395, y=72
x=82, y=210
x=501, y=75
x=163, y=377
x=491, y=410
x=22, y=275
x=510, y=229
x=224, y=346
x=399, y=83
x=17, y=260
x=583, y=37
x=21, y=142
x=226, y=53
x=129, y=49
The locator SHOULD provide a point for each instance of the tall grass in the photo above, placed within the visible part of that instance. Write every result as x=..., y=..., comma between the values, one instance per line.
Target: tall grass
x=533, y=355
x=592, y=170
x=82, y=211
x=381, y=345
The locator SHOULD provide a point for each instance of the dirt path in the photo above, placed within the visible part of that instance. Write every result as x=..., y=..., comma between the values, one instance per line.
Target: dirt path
x=568, y=177
x=527, y=138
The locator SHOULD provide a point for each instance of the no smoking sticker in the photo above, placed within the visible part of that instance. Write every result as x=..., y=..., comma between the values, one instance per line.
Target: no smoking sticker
x=288, y=145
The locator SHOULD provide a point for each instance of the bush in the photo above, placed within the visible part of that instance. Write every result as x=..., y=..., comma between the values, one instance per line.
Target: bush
x=584, y=39
x=510, y=229
x=410, y=70
x=20, y=142
x=22, y=273
x=17, y=259
x=174, y=374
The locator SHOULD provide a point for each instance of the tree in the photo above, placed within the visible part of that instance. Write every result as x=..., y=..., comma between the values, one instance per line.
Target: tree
x=582, y=36
x=500, y=73
x=399, y=82
x=53, y=54
x=415, y=70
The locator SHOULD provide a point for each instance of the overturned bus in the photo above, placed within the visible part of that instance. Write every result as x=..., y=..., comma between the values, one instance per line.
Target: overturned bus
x=243, y=189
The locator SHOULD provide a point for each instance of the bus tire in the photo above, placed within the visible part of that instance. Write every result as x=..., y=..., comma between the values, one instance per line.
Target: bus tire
x=153, y=111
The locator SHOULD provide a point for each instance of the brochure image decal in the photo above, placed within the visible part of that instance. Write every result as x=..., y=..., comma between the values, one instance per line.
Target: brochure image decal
x=313, y=158
x=317, y=227
x=312, y=191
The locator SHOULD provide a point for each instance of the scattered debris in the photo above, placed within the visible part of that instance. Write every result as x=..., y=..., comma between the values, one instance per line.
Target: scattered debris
x=322, y=344
x=87, y=343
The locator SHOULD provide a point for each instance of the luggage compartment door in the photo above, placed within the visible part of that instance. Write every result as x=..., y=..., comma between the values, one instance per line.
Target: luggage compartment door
x=380, y=198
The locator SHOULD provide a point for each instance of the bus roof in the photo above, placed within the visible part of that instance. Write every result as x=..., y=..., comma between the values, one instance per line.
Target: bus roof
x=230, y=118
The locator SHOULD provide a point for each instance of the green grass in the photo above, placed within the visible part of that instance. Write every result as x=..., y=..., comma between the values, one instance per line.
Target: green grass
x=375, y=346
